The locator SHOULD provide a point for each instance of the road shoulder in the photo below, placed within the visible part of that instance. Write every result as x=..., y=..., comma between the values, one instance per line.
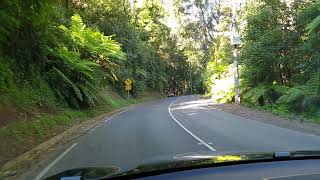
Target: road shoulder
x=268, y=118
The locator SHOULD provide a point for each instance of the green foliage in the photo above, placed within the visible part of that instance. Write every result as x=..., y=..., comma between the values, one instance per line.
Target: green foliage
x=256, y=93
x=82, y=59
x=8, y=19
x=39, y=41
x=291, y=95
x=141, y=34
x=304, y=97
x=280, y=60
x=313, y=85
x=222, y=87
x=314, y=24
x=93, y=45
x=6, y=75
x=22, y=95
x=73, y=78
x=219, y=71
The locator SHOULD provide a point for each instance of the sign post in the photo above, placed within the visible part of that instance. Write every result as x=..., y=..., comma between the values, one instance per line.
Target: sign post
x=128, y=83
x=235, y=40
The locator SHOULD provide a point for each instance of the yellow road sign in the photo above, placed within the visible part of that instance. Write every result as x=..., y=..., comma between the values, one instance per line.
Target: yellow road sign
x=128, y=88
x=128, y=82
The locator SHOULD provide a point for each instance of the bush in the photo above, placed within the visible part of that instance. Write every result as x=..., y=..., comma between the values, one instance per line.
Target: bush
x=223, y=89
x=6, y=75
x=82, y=59
x=73, y=79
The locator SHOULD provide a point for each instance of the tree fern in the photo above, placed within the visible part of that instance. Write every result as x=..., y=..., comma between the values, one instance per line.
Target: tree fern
x=92, y=98
x=306, y=96
x=313, y=85
x=255, y=93
x=73, y=78
x=85, y=68
x=142, y=73
x=291, y=95
x=76, y=59
x=282, y=89
x=92, y=43
x=314, y=24
x=68, y=81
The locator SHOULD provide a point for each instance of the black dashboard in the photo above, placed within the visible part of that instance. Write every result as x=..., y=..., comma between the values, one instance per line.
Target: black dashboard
x=278, y=170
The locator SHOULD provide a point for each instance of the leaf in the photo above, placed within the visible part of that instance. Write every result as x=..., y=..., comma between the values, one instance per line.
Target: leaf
x=66, y=79
x=280, y=88
x=291, y=95
x=313, y=25
x=313, y=85
x=142, y=73
x=255, y=93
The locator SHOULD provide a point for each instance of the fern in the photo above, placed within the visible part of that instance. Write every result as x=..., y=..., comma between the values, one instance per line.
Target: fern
x=255, y=93
x=6, y=75
x=68, y=81
x=85, y=68
x=303, y=92
x=142, y=72
x=280, y=88
x=313, y=25
x=77, y=78
x=75, y=62
x=313, y=85
x=291, y=95
x=93, y=42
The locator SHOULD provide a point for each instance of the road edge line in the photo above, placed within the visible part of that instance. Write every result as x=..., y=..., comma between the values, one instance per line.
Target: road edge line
x=188, y=131
x=110, y=118
x=48, y=167
x=117, y=114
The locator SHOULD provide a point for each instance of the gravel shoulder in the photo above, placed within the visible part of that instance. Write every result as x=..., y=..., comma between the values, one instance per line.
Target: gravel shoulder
x=296, y=124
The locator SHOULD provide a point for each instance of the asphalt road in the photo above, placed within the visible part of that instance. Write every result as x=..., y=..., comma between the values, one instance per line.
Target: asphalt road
x=173, y=126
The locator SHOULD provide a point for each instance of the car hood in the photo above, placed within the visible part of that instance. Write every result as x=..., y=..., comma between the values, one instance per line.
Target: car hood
x=186, y=161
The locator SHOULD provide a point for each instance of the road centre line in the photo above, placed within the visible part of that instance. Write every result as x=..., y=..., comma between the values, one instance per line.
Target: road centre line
x=188, y=131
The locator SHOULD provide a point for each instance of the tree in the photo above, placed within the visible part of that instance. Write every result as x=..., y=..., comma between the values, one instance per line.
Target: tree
x=74, y=74
x=279, y=57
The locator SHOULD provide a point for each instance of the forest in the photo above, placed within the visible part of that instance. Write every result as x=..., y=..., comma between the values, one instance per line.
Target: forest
x=64, y=53
x=63, y=63
x=280, y=57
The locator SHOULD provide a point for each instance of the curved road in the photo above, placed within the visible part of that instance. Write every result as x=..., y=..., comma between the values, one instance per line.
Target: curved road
x=169, y=127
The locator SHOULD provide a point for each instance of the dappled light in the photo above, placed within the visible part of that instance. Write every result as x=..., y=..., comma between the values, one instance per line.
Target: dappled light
x=215, y=67
x=194, y=105
x=191, y=107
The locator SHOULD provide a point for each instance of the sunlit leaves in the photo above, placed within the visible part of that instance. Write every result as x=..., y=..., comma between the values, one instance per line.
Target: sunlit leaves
x=314, y=24
x=281, y=60
x=93, y=44
x=76, y=63
x=68, y=75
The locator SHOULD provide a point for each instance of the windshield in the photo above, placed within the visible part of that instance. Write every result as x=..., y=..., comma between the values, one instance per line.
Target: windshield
x=124, y=83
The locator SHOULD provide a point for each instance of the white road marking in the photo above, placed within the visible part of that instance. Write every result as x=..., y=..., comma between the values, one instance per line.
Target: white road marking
x=118, y=113
x=45, y=170
x=193, y=135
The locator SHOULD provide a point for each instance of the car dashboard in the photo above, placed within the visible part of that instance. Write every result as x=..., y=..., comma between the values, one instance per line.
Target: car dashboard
x=277, y=170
